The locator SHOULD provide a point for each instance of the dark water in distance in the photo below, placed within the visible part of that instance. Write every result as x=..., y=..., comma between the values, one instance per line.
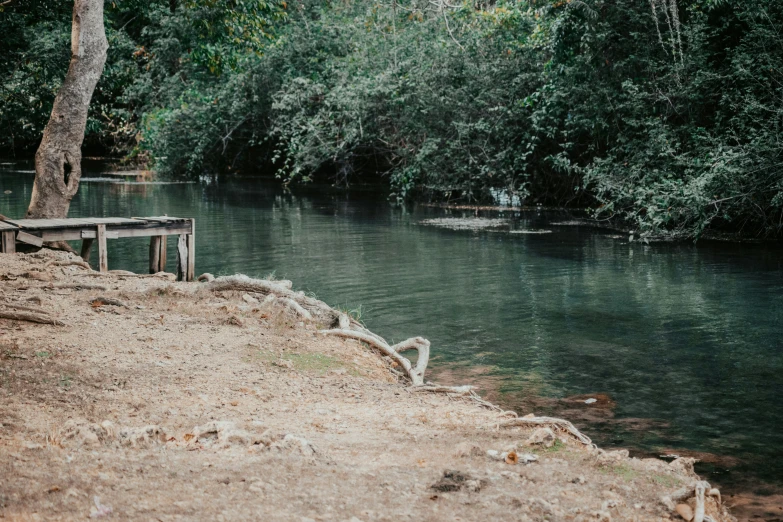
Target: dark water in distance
x=686, y=339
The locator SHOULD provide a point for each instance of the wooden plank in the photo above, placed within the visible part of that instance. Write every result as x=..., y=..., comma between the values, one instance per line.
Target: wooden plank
x=8, y=241
x=86, y=248
x=116, y=221
x=162, y=265
x=92, y=234
x=170, y=230
x=182, y=258
x=76, y=233
x=191, y=273
x=155, y=254
x=40, y=224
x=103, y=259
x=161, y=219
x=30, y=239
x=5, y=225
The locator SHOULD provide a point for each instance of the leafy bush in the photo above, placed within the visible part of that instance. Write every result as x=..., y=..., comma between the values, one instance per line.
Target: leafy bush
x=663, y=115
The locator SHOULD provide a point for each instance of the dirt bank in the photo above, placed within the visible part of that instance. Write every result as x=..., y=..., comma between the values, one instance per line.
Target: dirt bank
x=156, y=400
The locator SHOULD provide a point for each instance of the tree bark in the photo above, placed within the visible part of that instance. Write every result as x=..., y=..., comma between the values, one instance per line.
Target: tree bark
x=58, y=159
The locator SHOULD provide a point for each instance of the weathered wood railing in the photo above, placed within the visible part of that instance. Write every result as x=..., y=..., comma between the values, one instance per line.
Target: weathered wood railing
x=37, y=231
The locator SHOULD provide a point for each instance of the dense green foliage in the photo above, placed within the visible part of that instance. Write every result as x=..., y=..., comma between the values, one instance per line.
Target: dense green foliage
x=664, y=115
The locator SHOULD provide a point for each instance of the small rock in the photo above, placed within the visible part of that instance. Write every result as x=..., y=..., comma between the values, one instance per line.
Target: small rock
x=526, y=458
x=683, y=465
x=100, y=510
x=290, y=442
x=612, y=457
x=542, y=437
x=83, y=433
x=139, y=436
x=250, y=299
x=591, y=401
x=72, y=492
x=578, y=480
x=667, y=501
x=685, y=511
x=258, y=486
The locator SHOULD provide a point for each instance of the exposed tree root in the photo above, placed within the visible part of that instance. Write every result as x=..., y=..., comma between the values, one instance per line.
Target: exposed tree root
x=415, y=373
x=318, y=310
x=313, y=309
x=295, y=307
x=78, y=286
x=463, y=392
x=107, y=301
x=60, y=245
x=26, y=308
x=124, y=273
x=29, y=317
x=80, y=264
x=699, y=490
x=451, y=390
x=551, y=422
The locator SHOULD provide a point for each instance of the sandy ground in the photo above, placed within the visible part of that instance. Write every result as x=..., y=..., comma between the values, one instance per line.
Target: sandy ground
x=187, y=404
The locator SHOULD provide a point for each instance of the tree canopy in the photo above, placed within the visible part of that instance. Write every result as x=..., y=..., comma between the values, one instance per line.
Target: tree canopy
x=665, y=115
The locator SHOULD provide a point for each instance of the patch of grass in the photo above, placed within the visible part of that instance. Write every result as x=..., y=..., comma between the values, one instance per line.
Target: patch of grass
x=65, y=381
x=43, y=355
x=624, y=471
x=314, y=362
x=557, y=446
x=665, y=480
x=355, y=313
x=308, y=362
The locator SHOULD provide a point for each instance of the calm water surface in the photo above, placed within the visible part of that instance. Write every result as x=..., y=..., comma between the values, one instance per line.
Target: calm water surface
x=686, y=340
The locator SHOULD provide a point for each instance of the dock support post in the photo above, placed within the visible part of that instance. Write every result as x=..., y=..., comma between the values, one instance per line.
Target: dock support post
x=103, y=259
x=157, y=254
x=191, y=275
x=8, y=242
x=86, y=249
x=182, y=258
x=154, y=254
x=162, y=256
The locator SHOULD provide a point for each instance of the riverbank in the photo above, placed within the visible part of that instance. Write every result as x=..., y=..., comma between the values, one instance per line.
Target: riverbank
x=156, y=399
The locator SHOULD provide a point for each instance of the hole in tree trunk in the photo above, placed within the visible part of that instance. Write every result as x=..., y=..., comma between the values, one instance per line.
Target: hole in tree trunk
x=67, y=172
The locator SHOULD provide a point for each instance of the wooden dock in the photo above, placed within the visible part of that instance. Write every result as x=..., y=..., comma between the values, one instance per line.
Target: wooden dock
x=36, y=231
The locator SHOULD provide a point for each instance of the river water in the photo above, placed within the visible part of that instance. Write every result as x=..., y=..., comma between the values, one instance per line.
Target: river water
x=681, y=344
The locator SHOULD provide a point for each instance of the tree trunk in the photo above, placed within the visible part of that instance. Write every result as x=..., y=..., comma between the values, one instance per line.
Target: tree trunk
x=59, y=157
